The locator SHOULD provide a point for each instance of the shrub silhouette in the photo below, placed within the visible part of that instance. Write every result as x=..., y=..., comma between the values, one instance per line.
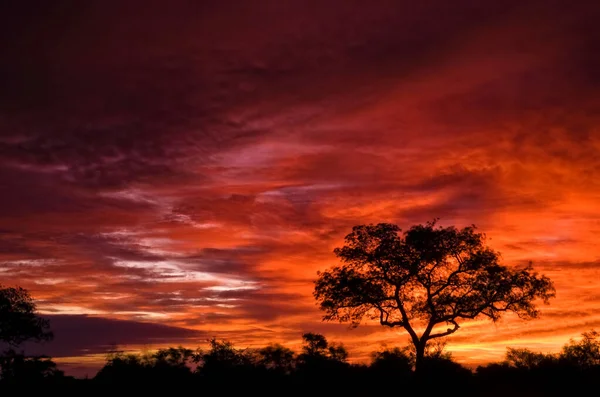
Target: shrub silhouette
x=321, y=367
x=390, y=363
x=276, y=358
x=18, y=368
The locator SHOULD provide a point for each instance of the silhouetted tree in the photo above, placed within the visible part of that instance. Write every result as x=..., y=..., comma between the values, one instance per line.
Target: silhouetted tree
x=391, y=362
x=430, y=277
x=438, y=363
x=525, y=372
x=123, y=368
x=445, y=371
x=338, y=352
x=320, y=368
x=435, y=350
x=583, y=353
x=19, y=321
x=527, y=359
x=223, y=359
x=321, y=364
x=174, y=356
x=276, y=357
x=20, y=369
x=166, y=366
x=316, y=346
x=172, y=364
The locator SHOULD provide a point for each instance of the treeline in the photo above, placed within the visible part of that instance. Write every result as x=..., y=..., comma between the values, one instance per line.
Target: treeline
x=320, y=367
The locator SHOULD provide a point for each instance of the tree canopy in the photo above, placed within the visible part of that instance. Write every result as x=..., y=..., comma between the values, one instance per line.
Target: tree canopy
x=426, y=280
x=19, y=321
x=585, y=352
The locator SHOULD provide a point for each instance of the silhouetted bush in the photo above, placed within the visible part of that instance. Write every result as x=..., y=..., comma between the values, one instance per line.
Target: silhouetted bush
x=320, y=368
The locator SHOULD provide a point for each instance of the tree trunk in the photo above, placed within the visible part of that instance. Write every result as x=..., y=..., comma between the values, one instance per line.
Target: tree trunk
x=420, y=350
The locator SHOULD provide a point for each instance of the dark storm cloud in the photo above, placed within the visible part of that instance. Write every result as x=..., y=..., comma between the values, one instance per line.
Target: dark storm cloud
x=78, y=335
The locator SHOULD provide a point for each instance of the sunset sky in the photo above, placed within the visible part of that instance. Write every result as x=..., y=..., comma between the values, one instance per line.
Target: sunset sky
x=172, y=171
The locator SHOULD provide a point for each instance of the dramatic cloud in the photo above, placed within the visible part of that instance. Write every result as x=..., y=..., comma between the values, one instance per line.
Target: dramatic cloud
x=193, y=164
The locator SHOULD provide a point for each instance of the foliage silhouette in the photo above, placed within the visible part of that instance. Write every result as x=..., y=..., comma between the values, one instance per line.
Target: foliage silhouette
x=317, y=349
x=122, y=368
x=573, y=371
x=430, y=277
x=222, y=356
x=317, y=370
x=527, y=359
x=321, y=362
x=320, y=368
x=18, y=368
x=276, y=358
x=391, y=363
x=178, y=357
x=19, y=321
x=227, y=367
x=147, y=371
x=584, y=353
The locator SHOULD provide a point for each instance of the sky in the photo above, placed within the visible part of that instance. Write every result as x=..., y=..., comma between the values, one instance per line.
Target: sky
x=175, y=171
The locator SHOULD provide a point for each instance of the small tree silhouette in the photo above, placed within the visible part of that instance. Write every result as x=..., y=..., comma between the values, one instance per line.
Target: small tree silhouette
x=521, y=358
x=223, y=359
x=276, y=358
x=321, y=363
x=583, y=353
x=316, y=347
x=19, y=321
x=17, y=368
x=426, y=281
x=395, y=362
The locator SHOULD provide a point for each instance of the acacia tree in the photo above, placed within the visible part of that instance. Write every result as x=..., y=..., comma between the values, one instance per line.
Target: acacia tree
x=426, y=280
x=19, y=321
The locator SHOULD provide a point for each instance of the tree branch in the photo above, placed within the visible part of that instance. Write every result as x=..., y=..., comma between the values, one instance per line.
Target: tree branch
x=405, y=320
x=447, y=332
